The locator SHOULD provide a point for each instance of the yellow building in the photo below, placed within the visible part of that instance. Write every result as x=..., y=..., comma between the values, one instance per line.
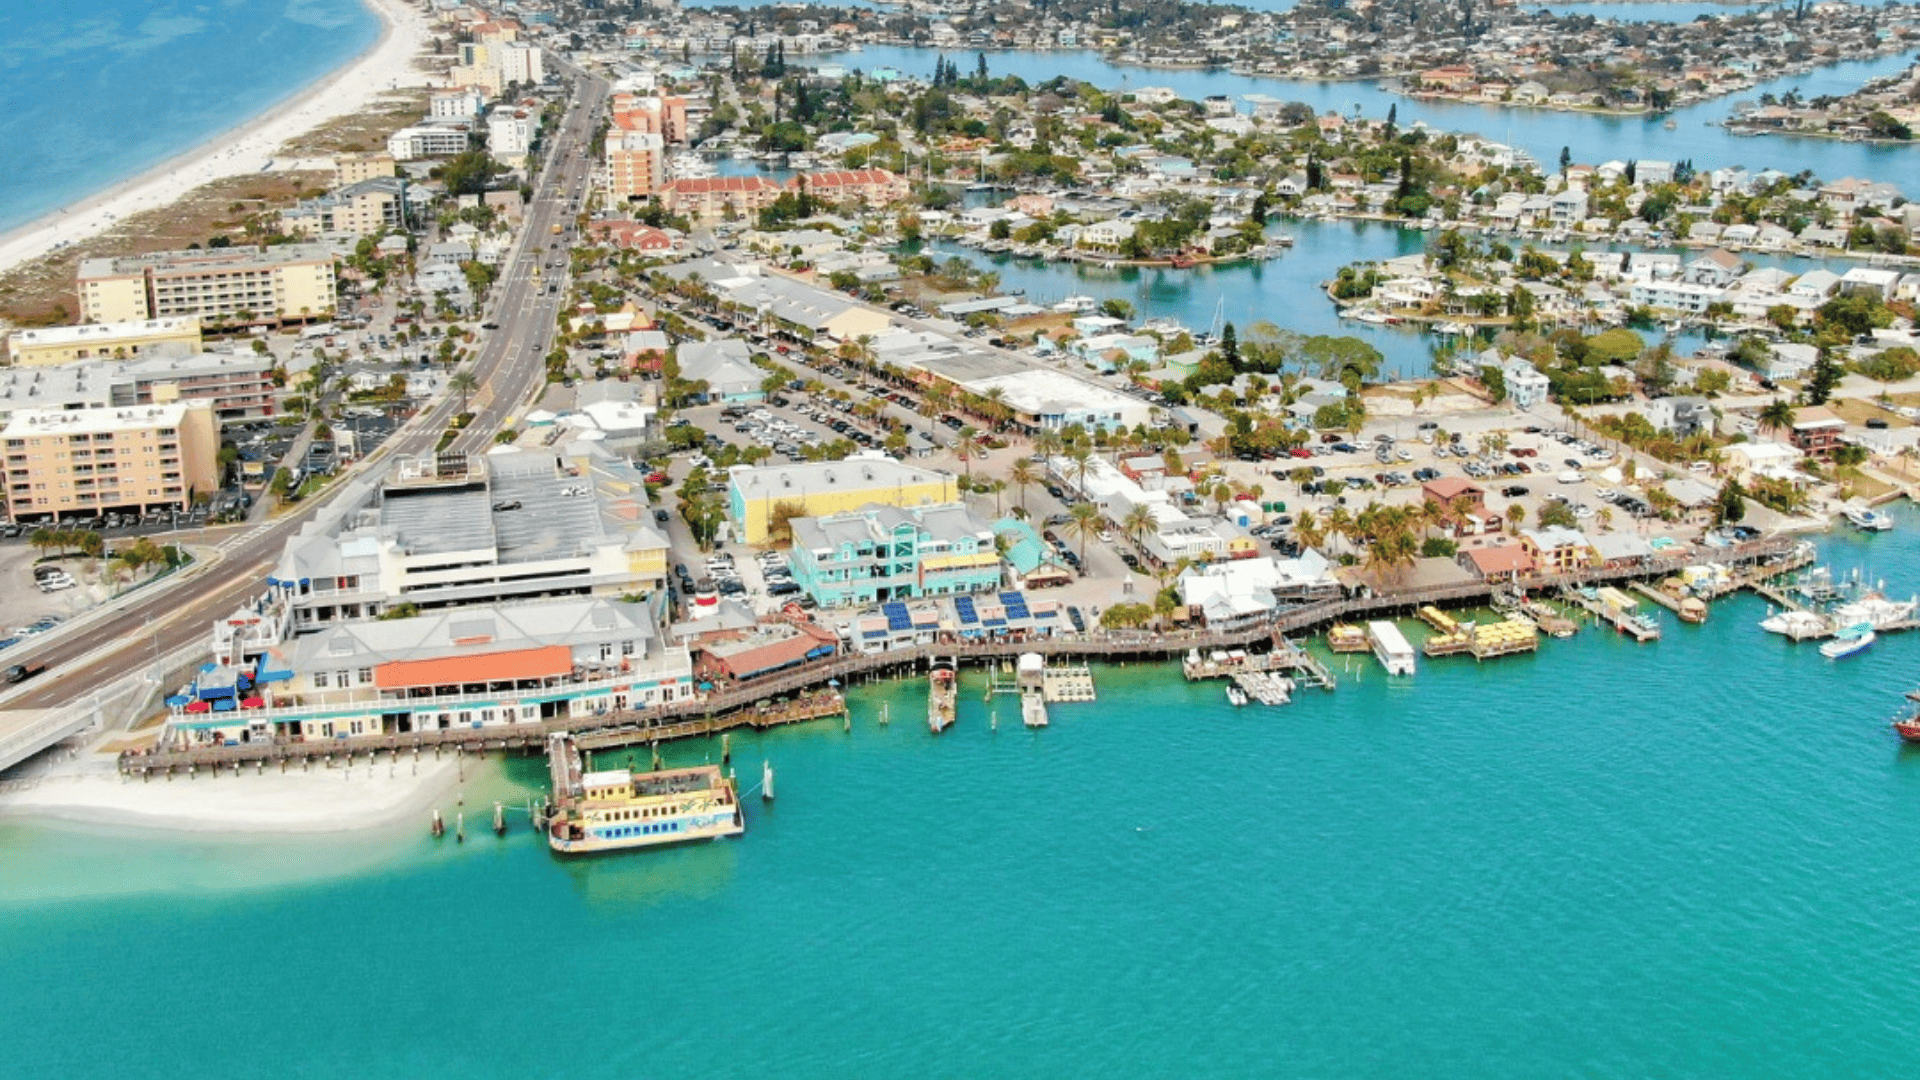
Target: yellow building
x=104, y=341
x=293, y=282
x=82, y=462
x=756, y=495
x=353, y=168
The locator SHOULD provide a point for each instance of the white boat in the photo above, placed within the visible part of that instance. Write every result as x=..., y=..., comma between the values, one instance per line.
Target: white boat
x=1866, y=518
x=1390, y=647
x=1853, y=639
x=1796, y=624
x=1873, y=610
x=1077, y=304
x=690, y=166
x=1236, y=696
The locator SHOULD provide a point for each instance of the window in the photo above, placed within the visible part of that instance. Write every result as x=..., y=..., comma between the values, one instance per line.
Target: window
x=319, y=680
x=366, y=675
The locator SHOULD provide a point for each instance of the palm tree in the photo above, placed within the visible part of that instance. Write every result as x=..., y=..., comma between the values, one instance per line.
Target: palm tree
x=1339, y=523
x=1023, y=477
x=1138, y=522
x=463, y=383
x=966, y=446
x=1776, y=416
x=1083, y=521
x=1308, y=530
x=1079, y=463
x=1516, y=516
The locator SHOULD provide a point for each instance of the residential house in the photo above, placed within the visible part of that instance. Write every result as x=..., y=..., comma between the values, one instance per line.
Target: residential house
x=1557, y=549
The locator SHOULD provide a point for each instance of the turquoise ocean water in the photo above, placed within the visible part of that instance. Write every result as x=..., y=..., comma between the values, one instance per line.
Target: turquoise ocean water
x=93, y=92
x=1691, y=858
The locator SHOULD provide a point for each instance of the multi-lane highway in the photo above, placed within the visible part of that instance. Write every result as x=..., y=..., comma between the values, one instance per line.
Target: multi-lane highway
x=510, y=365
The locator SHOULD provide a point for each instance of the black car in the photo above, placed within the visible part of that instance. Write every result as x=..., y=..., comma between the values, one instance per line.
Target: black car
x=1074, y=616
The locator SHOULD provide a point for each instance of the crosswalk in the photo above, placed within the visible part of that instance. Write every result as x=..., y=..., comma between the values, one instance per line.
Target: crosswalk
x=238, y=539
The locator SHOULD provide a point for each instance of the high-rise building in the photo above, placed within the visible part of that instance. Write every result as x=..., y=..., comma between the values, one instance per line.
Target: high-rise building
x=82, y=462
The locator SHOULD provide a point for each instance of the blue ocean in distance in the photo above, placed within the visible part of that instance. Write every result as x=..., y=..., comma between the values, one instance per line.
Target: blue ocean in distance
x=94, y=92
x=1692, y=858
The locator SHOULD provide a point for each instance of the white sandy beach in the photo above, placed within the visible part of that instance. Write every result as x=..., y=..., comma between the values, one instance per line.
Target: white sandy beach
x=246, y=148
x=317, y=801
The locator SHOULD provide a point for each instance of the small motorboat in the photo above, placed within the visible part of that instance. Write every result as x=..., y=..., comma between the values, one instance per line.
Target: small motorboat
x=1854, y=639
x=1236, y=696
x=1866, y=518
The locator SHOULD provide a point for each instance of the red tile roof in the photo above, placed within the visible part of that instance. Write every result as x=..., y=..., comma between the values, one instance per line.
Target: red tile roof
x=1500, y=559
x=702, y=185
x=505, y=666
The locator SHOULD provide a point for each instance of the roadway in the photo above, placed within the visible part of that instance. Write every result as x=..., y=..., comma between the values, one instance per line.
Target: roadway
x=169, y=622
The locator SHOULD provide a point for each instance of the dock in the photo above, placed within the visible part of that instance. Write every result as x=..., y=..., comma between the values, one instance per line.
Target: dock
x=1621, y=617
x=1265, y=687
x=742, y=704
x=1286, y=658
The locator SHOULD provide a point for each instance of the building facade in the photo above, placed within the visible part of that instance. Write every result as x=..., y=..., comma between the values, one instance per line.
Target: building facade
x=103, y=341
x=716, y=196
x=456, y=531
x=475, y=668
x=237, y=286
x=881, y=553
x=84, y=462
x=757, y=494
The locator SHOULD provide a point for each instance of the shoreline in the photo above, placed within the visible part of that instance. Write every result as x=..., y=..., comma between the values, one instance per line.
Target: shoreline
x=249, y=146
x=317, y=802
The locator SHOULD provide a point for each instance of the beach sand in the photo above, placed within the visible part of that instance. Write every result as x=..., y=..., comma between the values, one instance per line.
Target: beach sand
x=246, y=148
x=321, y=800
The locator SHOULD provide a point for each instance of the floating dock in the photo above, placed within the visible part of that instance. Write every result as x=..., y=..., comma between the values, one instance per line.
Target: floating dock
x=1618, y=610
x=1265, y=687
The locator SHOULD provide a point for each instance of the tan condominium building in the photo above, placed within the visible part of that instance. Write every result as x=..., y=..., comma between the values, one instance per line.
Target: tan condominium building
x=234, y=286
x=353, y=168
x=84, y=462
x=47, y=345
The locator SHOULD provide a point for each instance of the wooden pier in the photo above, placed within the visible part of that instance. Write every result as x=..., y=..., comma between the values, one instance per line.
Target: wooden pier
x=740, y=705
x=1637, y=627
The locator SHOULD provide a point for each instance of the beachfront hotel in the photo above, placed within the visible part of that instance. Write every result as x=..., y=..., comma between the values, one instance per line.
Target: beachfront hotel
x=83, y=462
x=236, y=286
x=103, y=341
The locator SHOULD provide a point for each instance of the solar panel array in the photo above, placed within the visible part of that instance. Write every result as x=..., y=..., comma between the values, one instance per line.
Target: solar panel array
x=897, y=617
x=963, y=607
x=1016, y=605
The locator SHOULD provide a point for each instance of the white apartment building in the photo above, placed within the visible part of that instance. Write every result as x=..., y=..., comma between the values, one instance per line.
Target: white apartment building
x=510, y=133
x=460, y=103
x=418, y=141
